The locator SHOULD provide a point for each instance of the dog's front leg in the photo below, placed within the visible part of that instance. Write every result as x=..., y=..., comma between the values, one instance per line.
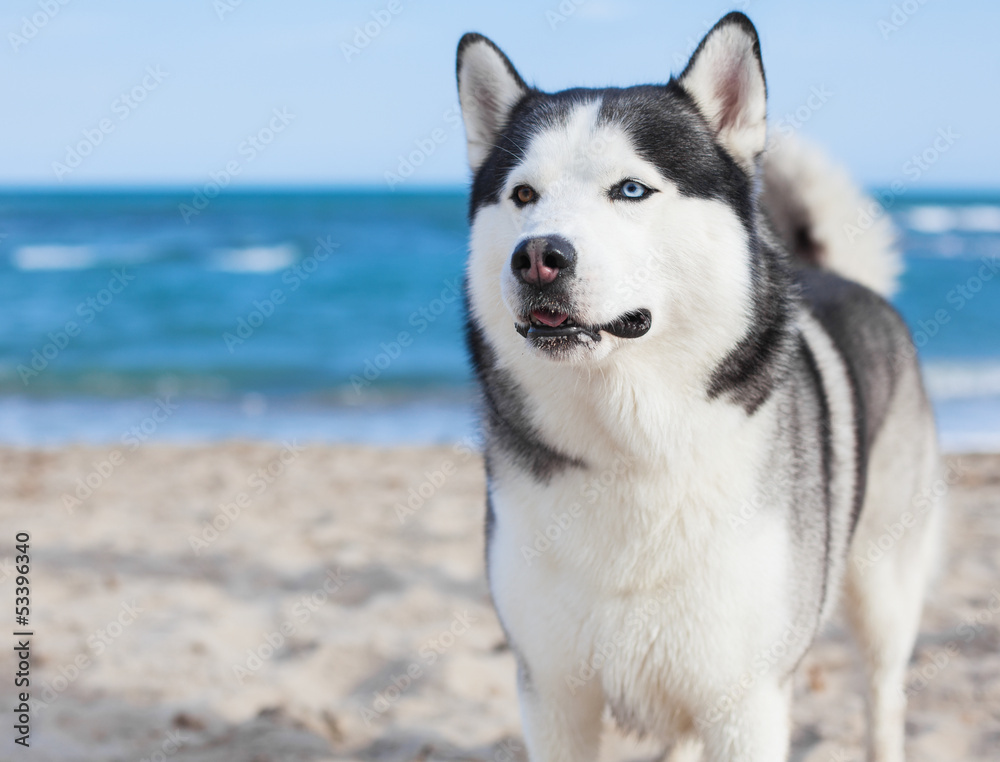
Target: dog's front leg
x=560, y=712
x=757, y=729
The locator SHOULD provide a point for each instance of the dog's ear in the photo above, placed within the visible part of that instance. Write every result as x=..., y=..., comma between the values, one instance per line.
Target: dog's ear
x=488, y=89
x=725, y=77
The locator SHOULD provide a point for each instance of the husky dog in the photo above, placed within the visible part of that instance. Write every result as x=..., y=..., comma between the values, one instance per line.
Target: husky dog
x=700, y=413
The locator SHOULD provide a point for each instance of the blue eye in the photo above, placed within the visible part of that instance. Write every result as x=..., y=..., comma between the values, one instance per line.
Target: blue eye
x=631, y=190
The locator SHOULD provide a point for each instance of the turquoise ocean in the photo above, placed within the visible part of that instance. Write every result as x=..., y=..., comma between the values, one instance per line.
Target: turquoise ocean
x=337, y=315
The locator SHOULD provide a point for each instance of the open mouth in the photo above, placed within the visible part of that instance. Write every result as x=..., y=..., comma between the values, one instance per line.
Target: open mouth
x=550, y=324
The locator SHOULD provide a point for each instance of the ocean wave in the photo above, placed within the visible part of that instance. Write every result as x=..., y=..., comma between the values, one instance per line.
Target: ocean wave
x=934, y=220
x=54, y=257
x=254, y=259
x=964, y=426
x=962, y=380
x=49, y=422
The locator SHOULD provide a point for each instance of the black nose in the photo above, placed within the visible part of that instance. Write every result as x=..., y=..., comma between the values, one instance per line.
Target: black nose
x=538, y=261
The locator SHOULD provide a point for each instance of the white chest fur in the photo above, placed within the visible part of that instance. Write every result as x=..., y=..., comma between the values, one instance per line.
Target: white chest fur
x=663, y=578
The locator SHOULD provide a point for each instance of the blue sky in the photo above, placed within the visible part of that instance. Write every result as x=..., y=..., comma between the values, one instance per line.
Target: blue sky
x=884, y=78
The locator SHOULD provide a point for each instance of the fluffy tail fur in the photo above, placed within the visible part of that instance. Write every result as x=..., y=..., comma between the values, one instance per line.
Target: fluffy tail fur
x=814, y=207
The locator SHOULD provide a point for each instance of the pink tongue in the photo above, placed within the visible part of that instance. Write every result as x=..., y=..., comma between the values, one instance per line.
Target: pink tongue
x=551, y=319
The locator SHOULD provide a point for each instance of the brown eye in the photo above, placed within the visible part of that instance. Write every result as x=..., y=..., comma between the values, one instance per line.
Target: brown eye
x=524, y=194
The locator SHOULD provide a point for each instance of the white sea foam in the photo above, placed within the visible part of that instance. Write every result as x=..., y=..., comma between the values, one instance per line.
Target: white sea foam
x=980, y=219
x=962, y=380
x=934, y=220
x=931, y=219
x=54, y=257
x=254, y=259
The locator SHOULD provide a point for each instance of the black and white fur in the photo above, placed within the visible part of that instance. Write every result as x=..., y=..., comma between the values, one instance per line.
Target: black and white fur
x=694, y=427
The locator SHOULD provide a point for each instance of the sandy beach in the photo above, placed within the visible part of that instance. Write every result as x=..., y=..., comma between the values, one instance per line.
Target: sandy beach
x=268, y=602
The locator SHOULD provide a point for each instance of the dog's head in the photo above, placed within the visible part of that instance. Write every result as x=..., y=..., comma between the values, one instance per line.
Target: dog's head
x=606, y=218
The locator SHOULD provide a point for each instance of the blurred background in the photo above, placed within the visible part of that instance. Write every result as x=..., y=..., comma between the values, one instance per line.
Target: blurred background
x=231, y=220
x=247, y=219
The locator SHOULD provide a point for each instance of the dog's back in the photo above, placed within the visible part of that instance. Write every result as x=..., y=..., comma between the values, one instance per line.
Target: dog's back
x=896, y=528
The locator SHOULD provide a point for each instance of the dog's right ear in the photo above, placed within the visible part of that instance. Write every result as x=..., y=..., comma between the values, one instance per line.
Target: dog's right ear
x=725, y=77
x=488, y=89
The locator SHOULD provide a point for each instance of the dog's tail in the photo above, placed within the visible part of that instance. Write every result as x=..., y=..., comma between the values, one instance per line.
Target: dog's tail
x=825, y=219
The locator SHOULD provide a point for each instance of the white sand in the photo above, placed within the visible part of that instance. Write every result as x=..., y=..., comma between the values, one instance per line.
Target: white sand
x=407, y=597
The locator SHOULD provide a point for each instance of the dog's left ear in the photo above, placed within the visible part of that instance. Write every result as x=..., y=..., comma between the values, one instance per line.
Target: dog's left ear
x=725, y=77
x=488, y=89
